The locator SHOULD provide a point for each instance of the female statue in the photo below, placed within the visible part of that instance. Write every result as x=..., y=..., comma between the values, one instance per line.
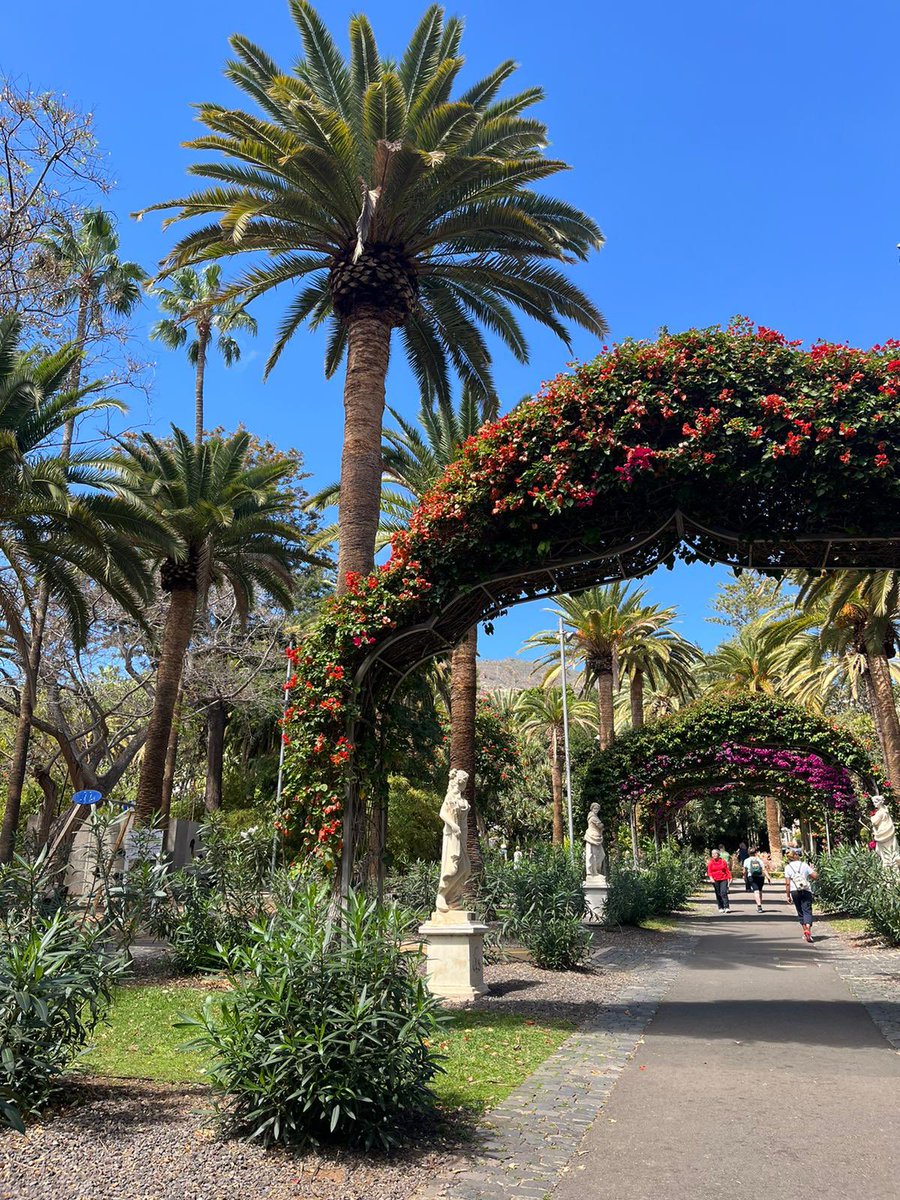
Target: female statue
x=594, y=852
x=455, y=865
x=885, y=833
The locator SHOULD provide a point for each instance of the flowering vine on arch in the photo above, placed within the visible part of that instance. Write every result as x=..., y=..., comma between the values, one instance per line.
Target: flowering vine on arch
x=754, y=744
x=735, y=446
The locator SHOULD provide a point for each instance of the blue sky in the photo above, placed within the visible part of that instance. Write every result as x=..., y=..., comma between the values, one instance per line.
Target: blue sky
x=739, y=158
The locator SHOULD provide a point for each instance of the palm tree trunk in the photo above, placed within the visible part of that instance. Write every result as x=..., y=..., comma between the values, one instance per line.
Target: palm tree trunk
x=637, y=699
x=359, y=508
x=175, y=641
x=463, y=695
x=168, y=783
x=773, y=828
x=84, y=302
x=215, y=755
x=886, y=718
x=202, y=343
x=27, y=700
x=872, y=704
x=556, y=788
x=606, y=709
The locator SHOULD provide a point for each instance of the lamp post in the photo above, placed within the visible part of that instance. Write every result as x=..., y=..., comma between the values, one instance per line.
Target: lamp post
x=565, y=709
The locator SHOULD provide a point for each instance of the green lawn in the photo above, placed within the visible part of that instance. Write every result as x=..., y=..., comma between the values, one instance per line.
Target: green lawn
x=846, y=924
x=487, y=1055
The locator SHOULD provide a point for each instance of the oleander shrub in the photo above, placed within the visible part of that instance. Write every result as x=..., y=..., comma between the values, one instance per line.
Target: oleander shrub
x=329, y=1030
x=847, y=877
x=540, y=902
x=55, y=988
x=213, y=904
x=883, y=915
x=414, y=889
x=628, y=900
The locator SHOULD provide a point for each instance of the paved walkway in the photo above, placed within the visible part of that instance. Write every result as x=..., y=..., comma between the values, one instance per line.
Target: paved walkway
x=742, y=1060
x=760, y=1073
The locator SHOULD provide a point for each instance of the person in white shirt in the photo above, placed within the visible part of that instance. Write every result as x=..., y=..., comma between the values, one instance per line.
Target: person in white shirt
x=798, y=881
x=755, y=876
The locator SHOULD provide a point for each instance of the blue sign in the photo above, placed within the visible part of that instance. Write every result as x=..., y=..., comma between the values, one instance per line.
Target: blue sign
x=87, y=797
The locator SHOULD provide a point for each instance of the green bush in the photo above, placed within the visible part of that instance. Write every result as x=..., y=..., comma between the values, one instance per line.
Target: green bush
x=414, y=889
x=846, y=879
x=214, y=903
x=662, y=886
x=628, y=900
x=883, y=916
x=328, y=1032
x=55, y=982
x=541, y=902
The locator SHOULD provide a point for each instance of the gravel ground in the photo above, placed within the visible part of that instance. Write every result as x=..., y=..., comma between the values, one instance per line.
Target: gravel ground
x=152, y=1141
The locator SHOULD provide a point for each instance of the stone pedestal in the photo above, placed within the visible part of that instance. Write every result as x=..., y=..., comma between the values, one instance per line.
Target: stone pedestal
x=596, y=889
x=455, y=963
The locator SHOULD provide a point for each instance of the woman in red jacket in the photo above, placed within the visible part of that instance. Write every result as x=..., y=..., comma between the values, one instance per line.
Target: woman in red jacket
x=718, y=871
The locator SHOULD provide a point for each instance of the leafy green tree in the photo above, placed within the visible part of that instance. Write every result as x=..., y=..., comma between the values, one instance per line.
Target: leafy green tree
x=540, y=713
x=753, y=662
x=195, y=299
x=600, y=622
x=391, y=205
x=54, y=529
x=233, y=525
x=748, y=597
x=84, y=260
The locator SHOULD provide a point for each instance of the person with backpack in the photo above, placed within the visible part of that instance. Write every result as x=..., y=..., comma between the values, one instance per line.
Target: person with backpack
x=755, y=876
x=719, y=874
x=798, y=881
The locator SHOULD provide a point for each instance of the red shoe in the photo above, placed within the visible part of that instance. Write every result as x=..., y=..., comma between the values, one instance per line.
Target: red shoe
x=807, y=935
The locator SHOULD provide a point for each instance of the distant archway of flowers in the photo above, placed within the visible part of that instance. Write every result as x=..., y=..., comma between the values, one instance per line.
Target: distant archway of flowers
x=754, y=744
x=731, y=445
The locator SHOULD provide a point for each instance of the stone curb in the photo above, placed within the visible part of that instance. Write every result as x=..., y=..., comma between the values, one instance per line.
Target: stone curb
x=530, y=1137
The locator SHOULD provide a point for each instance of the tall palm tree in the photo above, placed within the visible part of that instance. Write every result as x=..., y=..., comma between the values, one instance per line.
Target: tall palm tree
x=233, y=527
x=600, y=621
x=752, y=662
x=50, y=534
x=540, y=713
x=414, y=458
x=195, y=299
x=654, y=654
x=858, y=619
x=391, y=205
x=84, y=259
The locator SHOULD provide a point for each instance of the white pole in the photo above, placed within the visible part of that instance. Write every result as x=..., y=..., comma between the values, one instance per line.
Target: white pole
x=827, y=833
x=285, y=706
x=565, y=708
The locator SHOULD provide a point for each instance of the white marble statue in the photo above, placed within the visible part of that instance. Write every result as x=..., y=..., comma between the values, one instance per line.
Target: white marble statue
x=594, y=851
x=455, y=865
x=885, y=833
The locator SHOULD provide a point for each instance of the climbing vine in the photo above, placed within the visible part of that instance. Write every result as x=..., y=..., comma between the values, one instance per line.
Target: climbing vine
x=739, y=427
x=753, y=744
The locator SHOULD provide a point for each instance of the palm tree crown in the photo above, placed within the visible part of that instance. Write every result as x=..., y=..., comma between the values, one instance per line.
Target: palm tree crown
x=445, y=235
x=195, y=299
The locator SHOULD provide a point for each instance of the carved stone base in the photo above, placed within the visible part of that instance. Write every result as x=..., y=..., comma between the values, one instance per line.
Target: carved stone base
x=596, y=890
x=455, y=962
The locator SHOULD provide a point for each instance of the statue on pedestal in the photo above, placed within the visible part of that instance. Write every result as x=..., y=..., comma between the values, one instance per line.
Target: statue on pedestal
x=885, y=833
x=455, y=865
x=594, y=851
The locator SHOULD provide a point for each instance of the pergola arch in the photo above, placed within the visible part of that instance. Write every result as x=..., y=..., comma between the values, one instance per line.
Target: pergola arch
x=758, y=744
x=733, y=446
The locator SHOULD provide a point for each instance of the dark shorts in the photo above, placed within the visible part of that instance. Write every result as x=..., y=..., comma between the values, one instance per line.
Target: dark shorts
x=756, y=883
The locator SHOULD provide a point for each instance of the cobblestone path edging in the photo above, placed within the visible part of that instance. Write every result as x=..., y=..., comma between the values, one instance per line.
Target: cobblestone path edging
x=873, y=976
x=529, y=1138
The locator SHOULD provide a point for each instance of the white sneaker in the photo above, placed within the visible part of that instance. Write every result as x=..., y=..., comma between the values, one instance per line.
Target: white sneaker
x=727, y=910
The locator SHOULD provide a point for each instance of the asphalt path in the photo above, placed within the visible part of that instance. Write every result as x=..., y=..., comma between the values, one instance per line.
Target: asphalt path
x=759, y=1075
